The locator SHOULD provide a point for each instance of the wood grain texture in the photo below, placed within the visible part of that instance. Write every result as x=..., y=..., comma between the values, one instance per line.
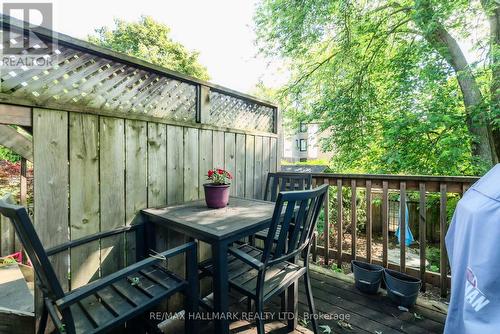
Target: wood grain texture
x=16, y=115
x=230, y=159
x=266, y=161
x=136, y=180
x=239, y=173
x=206, y=159
x=112, y=191
x=191, y=164
x=51, y=175
x=274, y=155
x=175, y=194
x=249, y=166
x=157, y=164
x=258, y=190
x=218, y=149
x=84, y=196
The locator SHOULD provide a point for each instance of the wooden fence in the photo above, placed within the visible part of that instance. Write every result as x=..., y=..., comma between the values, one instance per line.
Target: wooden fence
x=366, y=185
x=95, y=173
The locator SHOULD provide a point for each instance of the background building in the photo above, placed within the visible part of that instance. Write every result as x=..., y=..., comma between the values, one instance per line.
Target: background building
x=303, y=144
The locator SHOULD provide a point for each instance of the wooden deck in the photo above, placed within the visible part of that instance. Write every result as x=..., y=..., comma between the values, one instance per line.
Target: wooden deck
x=351, y=311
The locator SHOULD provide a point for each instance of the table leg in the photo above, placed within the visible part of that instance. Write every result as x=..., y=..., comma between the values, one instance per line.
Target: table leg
x=221, y=287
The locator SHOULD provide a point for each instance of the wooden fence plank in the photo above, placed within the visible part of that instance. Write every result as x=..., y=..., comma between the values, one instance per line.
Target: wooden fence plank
x=443, y=265
x=369, y=221
x=218, y=149
x=84, y=196
x=266, y=161
x=402, y=226
x=274, y=155
x=136, y=180
x=354, y=220
x=50, y=133
x=175, y=194
x=157, y=165
x=230, y=159
x=16, y=115
x=340, y=235
x=249, y=166
x=191, y=164
x=240, y=165
x=112, y=191
x=422, y=233
x=385, y=223
x=257, y=185
x=206, y=158
x=206, y=163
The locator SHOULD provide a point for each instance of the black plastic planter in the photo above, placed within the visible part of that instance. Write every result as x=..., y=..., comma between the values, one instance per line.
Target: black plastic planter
x=367, y=276
x=402, y=289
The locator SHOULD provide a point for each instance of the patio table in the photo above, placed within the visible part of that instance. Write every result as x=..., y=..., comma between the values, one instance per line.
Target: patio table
x=219, y=228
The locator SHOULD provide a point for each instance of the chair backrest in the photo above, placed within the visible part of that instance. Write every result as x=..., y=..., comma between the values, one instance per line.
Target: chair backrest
x=32, y=245
x=277, y=182
x=296, y=212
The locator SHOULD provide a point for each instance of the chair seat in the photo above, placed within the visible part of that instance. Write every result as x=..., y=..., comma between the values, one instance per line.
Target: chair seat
x=244, y=278
x=124, y=299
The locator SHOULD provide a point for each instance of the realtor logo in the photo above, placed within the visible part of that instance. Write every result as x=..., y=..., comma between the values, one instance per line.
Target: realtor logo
x=473, y=296
x=21, y=46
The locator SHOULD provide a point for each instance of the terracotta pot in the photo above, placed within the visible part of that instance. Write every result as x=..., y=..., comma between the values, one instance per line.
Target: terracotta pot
x=216, y=196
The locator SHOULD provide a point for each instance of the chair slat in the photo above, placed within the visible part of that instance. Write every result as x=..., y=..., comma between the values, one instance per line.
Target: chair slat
x=97, y=313
x=114, y=300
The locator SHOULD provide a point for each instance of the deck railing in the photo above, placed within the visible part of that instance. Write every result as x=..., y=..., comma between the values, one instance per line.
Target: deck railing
x=383, y=186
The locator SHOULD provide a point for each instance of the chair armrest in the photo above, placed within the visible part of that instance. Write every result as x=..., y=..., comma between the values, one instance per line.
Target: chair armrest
x=250, y=260
x=81, y=241
x=91, y=288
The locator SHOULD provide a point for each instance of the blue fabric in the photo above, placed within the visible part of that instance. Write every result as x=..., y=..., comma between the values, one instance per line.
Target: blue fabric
x=473, y=245
x=408, y=235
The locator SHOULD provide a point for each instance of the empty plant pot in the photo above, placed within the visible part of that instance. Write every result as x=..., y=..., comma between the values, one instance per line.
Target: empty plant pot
x=367, y=276
x=402, y=289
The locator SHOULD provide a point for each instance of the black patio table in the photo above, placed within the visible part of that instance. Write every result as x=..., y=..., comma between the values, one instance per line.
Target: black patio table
x=219, y=228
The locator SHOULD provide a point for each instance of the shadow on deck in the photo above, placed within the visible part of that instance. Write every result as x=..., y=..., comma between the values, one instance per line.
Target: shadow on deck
x=346, y=310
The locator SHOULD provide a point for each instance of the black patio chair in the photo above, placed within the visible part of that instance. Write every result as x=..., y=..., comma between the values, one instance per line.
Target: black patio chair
x=277, y=182
x=262, y=274
x=110, y=301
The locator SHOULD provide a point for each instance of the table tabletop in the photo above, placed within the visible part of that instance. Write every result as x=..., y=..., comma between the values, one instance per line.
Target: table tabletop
x=214, y=224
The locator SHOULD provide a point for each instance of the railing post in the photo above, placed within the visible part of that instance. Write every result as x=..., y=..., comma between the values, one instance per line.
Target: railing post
x=339, y=223
x=385, y=223
x=422, y=232
x=354, y=220
x=369, y=221
x=402, y=226
x=442, y=233
x=326, y=229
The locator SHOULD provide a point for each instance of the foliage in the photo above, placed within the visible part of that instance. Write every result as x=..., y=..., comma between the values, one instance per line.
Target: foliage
x=219, y=176
x=433, y=255
x=365, y=70
x=7, y=154
x=150, y=40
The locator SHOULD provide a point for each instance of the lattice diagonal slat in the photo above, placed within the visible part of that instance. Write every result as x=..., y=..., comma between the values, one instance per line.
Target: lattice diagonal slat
x=87, y=80
x=230, y=111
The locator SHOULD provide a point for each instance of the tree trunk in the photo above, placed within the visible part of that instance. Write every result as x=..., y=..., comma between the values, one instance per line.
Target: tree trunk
x=492, y=10
x=475, y=107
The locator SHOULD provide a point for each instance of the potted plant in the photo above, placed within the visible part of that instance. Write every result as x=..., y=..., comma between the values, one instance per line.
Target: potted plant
x=217, y=192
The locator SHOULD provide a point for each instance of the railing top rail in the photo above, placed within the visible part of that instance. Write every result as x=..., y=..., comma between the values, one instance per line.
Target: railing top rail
x=393, y=177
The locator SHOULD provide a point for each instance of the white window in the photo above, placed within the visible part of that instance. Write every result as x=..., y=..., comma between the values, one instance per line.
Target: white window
x=303, y=145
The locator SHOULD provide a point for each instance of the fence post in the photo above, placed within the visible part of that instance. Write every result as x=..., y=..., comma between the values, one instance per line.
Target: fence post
x=369, y=221
x=442, y=233
x=422, y=233
x=354, y=219
x=339, y=223
x=326, y=228
x=202, y=103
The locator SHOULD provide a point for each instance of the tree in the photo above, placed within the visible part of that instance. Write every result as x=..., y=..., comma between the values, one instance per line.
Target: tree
x=150, y=41
x=389, y=79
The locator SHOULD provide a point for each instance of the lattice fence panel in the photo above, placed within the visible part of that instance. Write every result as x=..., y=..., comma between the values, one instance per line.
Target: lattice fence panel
x=86, y=80
x=230, y=111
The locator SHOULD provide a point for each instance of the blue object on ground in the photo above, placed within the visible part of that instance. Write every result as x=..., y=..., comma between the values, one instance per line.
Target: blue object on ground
x=472, y=243
x=408, y=235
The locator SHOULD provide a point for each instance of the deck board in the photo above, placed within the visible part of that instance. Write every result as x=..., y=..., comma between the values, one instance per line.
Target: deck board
x=334, y=294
